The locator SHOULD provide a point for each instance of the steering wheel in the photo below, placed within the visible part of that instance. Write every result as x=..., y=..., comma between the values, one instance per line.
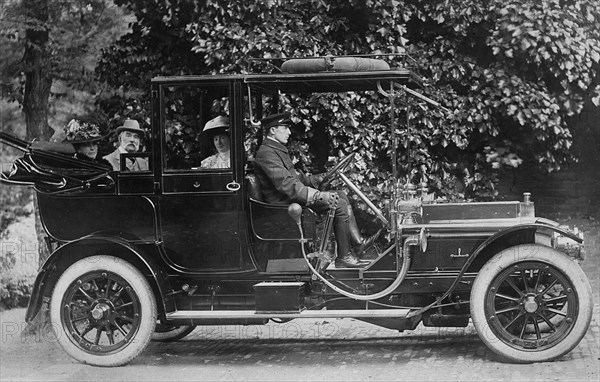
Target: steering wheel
x=339, y=167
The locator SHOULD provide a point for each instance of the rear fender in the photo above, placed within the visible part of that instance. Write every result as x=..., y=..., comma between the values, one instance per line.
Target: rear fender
x=142, y=257
x=537, y=233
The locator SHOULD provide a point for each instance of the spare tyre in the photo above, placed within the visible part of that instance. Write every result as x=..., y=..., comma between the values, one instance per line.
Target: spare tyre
x=333, y=64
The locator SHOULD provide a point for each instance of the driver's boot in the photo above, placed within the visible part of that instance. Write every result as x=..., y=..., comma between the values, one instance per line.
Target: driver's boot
x=350, y=261
x=361, y=244
x=345, y=258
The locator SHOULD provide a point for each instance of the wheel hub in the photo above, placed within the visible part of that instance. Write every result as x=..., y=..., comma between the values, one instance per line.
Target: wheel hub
x=530, y=305
x=100, y=311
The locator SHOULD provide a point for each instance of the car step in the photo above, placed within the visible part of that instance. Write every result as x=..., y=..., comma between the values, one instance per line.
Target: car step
x=323, y=313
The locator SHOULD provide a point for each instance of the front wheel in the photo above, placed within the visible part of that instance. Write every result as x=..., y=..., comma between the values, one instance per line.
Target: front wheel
x=531, y=303
x=103, y=311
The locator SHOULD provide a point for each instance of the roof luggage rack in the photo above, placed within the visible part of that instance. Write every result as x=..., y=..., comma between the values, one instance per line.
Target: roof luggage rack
x=333, y=63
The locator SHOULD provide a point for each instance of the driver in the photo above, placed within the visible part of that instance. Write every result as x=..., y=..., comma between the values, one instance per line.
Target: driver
x=282, y=184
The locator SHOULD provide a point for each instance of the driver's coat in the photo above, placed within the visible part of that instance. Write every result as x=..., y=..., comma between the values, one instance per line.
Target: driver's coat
x=280, y=182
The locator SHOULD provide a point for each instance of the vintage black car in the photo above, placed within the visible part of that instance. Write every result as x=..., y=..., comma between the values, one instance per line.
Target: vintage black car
x=152, y=254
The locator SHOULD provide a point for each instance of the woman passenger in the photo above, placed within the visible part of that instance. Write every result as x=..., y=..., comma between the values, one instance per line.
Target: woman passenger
x=217, y=131
x=84, y=136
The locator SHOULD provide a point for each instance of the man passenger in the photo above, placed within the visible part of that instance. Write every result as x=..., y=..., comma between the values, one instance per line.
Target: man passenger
x=130, y=135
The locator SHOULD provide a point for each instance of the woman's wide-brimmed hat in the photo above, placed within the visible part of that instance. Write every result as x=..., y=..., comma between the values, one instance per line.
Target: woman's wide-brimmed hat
x=217, y=125
x=77, y=131
x=133, y=126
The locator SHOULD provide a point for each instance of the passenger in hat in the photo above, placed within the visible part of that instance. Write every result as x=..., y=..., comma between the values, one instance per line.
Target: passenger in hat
x=83, y=135
x=130, y=135
x=282, y=184
x=217, y=131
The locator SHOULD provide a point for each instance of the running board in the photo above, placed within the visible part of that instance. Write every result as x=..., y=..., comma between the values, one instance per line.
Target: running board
x=245, y=314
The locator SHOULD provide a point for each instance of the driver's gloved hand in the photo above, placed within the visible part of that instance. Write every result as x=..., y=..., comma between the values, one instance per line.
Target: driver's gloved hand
x=319, y=181
x=326, y=198
x=318, y=178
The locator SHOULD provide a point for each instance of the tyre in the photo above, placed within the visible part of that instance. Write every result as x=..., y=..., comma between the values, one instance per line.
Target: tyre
x=333, y=64
x=171, y=333
x=103, y=311
x=531, y=303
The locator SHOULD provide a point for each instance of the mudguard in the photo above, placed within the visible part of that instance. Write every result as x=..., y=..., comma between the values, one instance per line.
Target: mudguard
x=481, y=255
x=541, y=224
x=141, y=256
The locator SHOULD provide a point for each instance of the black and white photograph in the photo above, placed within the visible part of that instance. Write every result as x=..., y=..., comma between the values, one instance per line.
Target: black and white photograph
x=300, y=190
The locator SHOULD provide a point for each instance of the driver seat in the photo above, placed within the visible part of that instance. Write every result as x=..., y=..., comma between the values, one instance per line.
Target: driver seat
x=271, y=221
x=254, y=188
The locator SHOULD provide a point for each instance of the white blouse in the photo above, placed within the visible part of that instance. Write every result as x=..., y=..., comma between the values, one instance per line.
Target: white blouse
x=216, y=161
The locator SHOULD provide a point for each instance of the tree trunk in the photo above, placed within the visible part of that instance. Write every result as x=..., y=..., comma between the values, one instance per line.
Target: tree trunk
x=38, y=80
x=36, y=63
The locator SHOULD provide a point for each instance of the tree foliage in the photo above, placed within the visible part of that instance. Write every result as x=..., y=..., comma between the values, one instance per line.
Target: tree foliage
x=513, y=73
x=46, y=43
x=50, y=51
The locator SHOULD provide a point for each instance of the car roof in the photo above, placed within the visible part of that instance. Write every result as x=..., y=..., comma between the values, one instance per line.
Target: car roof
x=310, y=82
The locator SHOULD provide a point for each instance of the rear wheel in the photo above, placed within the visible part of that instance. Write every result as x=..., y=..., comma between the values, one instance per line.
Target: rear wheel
x=171, y=333
x=103, y=311
x=531, y=303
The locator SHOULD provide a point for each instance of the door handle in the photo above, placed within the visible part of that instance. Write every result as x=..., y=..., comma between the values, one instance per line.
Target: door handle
x=233, y=186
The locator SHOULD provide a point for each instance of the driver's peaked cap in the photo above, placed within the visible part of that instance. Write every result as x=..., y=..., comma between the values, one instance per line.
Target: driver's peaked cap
x=281, y=119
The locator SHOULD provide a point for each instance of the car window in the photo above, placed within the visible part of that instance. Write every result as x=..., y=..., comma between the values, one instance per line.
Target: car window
x=187, y=109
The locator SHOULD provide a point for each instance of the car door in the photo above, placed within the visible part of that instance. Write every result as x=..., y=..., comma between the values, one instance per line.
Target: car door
x=199, y=206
